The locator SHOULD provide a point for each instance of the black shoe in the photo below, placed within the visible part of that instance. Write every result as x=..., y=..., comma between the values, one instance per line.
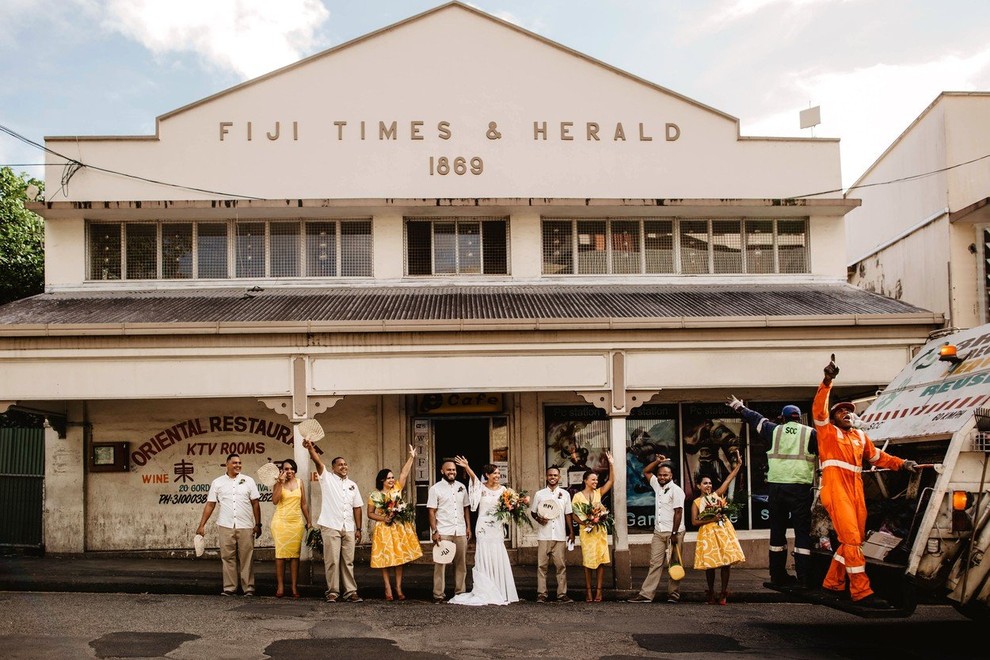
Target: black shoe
x=639, y=599
x=439, y=600
x=873, y=602
x=565, y=599
x=783, y=580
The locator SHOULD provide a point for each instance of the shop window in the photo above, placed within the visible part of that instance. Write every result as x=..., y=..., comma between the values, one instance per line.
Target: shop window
x=250, y=249
x=142, y=251
x=694, y=244
x=713, y=434
x=612, y=246
x=229, y=249
x=651, y=431
x=658, y=242
x=104, y=251
x=577, y=438
x=177, y=251
x=456, y=246
x=321, y=249
x=759, y=246
x=211, y=248
x=284, y=241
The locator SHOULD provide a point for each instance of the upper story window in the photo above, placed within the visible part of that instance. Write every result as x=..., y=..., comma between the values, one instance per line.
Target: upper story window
x=229, y=249
x=620, y=246
x=457, y=246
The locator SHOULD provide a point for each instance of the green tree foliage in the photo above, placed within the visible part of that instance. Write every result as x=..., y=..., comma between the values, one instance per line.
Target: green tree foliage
x=22, y=239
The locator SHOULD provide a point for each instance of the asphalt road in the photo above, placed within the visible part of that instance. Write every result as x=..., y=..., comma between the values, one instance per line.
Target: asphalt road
x=80, y=625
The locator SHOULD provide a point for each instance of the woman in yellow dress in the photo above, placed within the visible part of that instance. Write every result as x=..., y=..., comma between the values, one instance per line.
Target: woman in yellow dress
x=594, y=537
x=394, y=542
x=291, y=509
x=717, y=545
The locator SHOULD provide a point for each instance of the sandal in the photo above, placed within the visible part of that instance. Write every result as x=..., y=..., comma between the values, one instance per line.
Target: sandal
x=401, y=597
x=589, y=599
x=388, y=597
x=722, y=598
x=710, y=596
x=279, y=593
x=295, y=594
x=598, y=597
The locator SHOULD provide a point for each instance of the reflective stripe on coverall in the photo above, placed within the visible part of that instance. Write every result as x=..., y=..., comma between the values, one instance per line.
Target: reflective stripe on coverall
x=841, y=455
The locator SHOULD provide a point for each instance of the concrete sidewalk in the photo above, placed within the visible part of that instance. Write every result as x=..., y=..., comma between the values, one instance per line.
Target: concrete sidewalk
x=125, y=574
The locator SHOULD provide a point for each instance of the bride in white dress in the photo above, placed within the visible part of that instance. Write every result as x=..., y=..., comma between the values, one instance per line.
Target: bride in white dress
x=492, y=574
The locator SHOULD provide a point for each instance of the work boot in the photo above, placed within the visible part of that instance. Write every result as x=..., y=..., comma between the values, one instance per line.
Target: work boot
x=783, y=579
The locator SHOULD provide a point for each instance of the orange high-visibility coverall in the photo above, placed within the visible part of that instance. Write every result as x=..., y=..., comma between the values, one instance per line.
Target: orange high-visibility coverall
x=841, y=458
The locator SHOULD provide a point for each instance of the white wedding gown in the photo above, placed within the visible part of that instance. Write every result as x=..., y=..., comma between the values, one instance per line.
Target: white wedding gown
x=492, y=574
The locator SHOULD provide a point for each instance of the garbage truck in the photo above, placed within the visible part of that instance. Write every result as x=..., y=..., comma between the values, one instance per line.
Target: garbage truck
x=928, y=532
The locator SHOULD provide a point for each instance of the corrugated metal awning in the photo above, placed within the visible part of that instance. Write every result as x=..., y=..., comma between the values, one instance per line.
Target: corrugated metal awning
x=443, y=307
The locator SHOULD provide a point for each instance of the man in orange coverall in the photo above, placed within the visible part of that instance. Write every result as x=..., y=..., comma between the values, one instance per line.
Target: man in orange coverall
x=841, y=450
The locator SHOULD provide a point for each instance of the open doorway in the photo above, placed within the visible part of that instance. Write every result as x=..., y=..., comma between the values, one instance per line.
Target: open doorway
x=463, y=436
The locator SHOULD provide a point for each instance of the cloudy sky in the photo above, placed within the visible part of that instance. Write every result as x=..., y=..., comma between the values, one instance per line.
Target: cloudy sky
x=109, y=67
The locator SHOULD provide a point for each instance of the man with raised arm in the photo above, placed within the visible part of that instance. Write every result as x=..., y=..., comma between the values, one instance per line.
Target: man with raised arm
x=841, y=450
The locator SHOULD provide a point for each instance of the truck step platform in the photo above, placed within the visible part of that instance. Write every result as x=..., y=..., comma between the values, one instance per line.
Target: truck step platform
x=839, y=601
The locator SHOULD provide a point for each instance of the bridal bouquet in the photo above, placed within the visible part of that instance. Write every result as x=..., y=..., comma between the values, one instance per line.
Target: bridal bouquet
x=594, y=515
x=393, y=507
x=717, y=509
x=513, y=506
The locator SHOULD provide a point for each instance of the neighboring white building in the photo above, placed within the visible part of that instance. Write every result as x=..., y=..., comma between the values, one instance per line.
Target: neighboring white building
x=921, y=234
x=451, y=232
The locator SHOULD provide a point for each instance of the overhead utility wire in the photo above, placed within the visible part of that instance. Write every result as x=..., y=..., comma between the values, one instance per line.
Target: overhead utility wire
x=76, y=164
x=911, y=177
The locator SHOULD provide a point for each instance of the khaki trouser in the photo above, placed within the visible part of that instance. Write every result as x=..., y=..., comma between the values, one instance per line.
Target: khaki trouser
x=338, y=561
x=658, y=560
x=460, y=568
x=545, y=551
x=237, y=556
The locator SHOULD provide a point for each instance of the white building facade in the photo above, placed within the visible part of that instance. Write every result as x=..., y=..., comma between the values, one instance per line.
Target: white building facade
x=922, y=233
x=450, y=233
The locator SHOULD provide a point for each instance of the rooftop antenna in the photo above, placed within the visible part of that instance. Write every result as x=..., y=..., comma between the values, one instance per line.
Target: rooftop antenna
x=811, y=118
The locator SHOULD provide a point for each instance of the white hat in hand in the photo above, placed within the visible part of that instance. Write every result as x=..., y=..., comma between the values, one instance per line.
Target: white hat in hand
x=199, y=545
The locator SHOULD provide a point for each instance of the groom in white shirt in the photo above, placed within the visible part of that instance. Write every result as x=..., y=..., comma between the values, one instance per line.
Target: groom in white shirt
x=552, y=535
x=450, y=520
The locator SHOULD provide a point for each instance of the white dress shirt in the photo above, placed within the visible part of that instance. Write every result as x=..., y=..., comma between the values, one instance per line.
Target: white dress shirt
x=556, y=529
x=339, y=499
x=233, y=498
x=669, y=497
x=449, y=500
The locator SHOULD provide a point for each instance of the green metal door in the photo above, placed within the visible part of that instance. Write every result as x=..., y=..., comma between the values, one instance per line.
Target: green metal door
x=22, y=481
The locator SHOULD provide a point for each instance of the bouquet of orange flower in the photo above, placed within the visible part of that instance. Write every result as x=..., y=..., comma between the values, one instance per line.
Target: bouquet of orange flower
x=594, y=515
x=393, y=507
x=717, y=509
x=513, y=506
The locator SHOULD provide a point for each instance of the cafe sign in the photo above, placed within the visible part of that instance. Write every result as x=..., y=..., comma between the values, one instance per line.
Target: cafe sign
x=454, y=403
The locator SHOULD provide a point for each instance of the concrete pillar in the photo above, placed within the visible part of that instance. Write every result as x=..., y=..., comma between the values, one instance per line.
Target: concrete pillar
x=622, y=559
x=65, y=487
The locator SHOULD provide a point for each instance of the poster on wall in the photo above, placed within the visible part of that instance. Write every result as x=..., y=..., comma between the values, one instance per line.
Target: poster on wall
x=713, y=434
x=651, y=431
x=576, y=441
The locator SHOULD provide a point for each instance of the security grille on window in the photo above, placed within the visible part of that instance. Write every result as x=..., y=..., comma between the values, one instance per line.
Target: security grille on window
x=456, y=246
x=229, y=249
x=611, y=246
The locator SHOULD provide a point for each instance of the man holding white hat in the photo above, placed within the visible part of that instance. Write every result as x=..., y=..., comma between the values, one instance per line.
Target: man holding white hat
x=238, y=523
x=551, y=509
x=668, y=529
x=450, y=520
